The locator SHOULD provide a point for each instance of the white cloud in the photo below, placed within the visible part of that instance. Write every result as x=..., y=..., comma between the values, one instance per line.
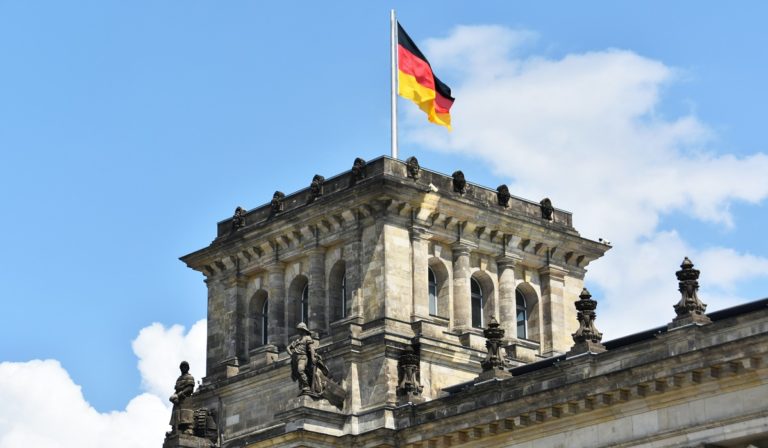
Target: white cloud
x=43, y=408
x=585, y=131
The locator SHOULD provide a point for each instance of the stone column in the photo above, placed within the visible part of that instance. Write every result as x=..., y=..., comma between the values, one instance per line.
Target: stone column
x=420, y=277
x=241, y=318
x=318, y=317
x=462, y=310
x=555, y=337
x=507, y=299
x=276, y=288
x=355, y=274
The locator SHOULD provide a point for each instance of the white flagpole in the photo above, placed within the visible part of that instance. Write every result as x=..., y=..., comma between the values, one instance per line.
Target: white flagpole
x=393, y=60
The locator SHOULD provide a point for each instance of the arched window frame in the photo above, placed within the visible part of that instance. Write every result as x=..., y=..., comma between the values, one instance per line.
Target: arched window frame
x=476, y=303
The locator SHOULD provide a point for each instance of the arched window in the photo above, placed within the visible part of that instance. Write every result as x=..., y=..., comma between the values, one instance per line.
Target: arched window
x=432, y=282
x=522, y=315
x=305, y=305
x=264, y=322
x=257, y=311
x=343, y=293
x=477, y=304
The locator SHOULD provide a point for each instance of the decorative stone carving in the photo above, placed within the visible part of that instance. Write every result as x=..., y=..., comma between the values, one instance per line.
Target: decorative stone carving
x=587, y=338
x=409, y=386
x=182, y=419
x=413, y=168
x=493, y=364
x=459, y=183
x=546, y=209
x=316, y=187
x=278, y=202
x=689, y=310
x=493, y=341
x=308, y=369
x=205, y=424
x=358, y=171
x=502, y=195
x=238, y=219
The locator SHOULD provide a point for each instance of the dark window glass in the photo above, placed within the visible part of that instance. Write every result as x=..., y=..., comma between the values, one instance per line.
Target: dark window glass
x=522, y=315
x=305, y=305
x=344, y=296
x=477, y=304
x=264, y=322
x=432, y=292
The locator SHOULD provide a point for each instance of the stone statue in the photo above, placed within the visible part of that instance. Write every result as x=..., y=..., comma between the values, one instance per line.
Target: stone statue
x=358, y=171
x=182, y=419
x=412, y=167
x=238, y=220
x=546, y=209
x=459, y=183
x=277, y=202
x=305, y=363
x=308, y=368
x=502, y=195
x=316, y=187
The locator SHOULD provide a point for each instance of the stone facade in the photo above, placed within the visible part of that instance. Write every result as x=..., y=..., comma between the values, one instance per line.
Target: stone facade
x=389, y=269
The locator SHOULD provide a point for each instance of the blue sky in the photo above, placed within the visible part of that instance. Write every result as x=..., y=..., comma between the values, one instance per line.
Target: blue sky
x=128, y=129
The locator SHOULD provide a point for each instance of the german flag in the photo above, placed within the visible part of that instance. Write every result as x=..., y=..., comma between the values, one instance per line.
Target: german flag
x=417, y=82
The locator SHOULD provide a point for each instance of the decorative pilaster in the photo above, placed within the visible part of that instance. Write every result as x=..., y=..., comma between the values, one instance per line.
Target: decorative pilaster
x=554, y=334
x=420, y=278
x=317, y=294
x=276, y=309
x=409, y=387
x=507, y=305
x=493, y=364
x=690, y=310
x=462, y=311
x=587, y=338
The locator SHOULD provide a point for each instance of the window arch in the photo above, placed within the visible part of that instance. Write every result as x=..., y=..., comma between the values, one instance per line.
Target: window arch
x=527, y=312
x=521, y=315
x=338, y=292
x=258, y=313
x=432, y=286
x=297, y=303
x=477, y=300
x=438, y=287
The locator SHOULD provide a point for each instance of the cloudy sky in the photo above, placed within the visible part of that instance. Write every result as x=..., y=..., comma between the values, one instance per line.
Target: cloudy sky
x=128, y=129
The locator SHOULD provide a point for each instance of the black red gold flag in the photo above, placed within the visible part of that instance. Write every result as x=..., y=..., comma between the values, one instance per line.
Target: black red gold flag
x=418, y=83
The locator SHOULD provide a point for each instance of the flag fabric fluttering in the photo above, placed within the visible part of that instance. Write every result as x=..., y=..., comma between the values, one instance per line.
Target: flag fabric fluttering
x=417, y=82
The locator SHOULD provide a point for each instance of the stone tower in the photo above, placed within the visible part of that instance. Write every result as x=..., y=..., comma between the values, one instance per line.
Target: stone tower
x=395, y=270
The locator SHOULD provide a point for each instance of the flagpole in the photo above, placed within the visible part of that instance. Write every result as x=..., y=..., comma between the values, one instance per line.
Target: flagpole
x=393, y=60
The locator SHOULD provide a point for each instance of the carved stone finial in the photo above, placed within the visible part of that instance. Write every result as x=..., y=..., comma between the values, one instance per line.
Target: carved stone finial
x=412, y=167
x=238, y=219
x=408, y=366
x=277, y=203
x=546, y=209
x=316, y=187
x=493, y=341
x=358, y=171
x=689, y=309
x=459, y=182
x=587, y=338
x=502, y=195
